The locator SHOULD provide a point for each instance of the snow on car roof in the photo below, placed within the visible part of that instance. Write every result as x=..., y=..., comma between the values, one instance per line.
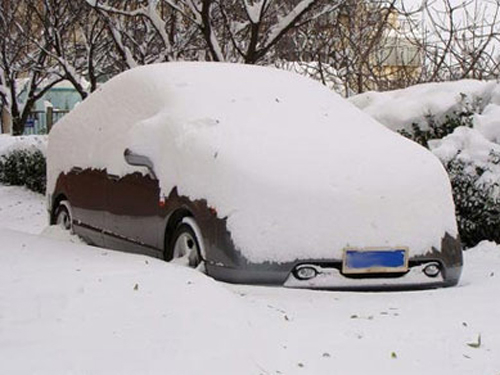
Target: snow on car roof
x=297, y=170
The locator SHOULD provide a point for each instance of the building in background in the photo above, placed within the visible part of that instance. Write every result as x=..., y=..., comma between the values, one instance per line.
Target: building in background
x=49, y=109
x=58, y=101
x=398, y=59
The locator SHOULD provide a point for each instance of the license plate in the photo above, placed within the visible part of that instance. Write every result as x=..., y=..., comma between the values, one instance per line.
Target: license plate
x=375, y=261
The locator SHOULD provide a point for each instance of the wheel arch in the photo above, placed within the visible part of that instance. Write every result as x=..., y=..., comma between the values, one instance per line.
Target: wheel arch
x=55, y=203
x=173, y=221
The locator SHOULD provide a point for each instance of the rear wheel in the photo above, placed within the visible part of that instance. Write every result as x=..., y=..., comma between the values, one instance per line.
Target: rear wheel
x=185, y=246
x=63, y=215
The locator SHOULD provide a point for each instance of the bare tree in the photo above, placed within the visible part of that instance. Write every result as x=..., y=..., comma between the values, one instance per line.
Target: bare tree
x=95, y=48
x=380, y=45
x=345, y=45
x=219, y=30
x=350, y=45
x=26, y=71
x=145, y=32
x=77, y=38
x=460, y=39
x=60, y=39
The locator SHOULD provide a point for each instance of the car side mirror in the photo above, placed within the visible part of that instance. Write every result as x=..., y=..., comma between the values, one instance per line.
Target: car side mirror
x=140, y=161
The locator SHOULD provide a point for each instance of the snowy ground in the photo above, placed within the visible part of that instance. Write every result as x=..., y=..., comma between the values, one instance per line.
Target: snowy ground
x=68, y=308
x=22, y=210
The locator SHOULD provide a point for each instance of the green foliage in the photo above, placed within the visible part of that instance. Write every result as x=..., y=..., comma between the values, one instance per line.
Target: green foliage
x=436, y=130
x=24, y=167
x=476, y=203
x=433, y=129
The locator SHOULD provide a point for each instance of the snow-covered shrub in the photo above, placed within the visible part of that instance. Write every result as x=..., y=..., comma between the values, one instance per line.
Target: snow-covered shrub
x=460, y=123
x=435, y=130
x=24, y=167
x=477, y=202
x=475, y=187
x=432, y=128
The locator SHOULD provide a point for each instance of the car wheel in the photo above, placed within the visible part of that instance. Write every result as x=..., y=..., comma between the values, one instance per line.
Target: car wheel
x=63, y=216
x=185, y=245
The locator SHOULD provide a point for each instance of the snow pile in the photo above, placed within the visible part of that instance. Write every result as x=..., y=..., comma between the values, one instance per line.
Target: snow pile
x=399, y=109
x=470, y=147
x=57, y=232
x=68, y=308
x=446, y=331
x=477, y=147
x=9, y=143
x=297, y=170
x=21, y=209
x=464, y=117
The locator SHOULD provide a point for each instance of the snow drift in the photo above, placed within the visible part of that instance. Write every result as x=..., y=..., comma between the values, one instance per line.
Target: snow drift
x=474, y=146
x=399, y=109
x=297, y=170
x=9, y=143
x=75, y=309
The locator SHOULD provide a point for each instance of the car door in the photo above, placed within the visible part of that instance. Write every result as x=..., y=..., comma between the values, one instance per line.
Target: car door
x=132, y=219
x=86, y=191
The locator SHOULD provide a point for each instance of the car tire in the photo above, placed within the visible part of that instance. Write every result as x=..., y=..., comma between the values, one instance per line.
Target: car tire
x=184, y=245
x=63, y=216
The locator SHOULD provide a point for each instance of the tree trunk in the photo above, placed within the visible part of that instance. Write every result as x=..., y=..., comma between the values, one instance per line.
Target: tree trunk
x=17, y=126
x=19, y=119
x=6, y=121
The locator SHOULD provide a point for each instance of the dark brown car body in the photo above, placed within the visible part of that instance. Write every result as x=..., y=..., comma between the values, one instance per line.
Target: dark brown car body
x=129, y=214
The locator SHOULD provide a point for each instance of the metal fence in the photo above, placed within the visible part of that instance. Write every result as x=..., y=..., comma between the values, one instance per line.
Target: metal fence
x=40, y=122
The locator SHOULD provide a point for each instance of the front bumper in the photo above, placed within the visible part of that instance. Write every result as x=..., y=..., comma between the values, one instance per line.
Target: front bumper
x=332, y=278
x=236, y=269
x=329, y=276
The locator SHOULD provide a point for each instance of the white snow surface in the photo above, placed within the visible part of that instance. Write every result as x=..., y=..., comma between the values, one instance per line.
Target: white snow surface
x=398, y=109
x=473, y=146
x=22, y=210
x=473, y=149
x=254, y=10
x=297, y=170
x=105, y=304
x=75, y=309
x=9, y=143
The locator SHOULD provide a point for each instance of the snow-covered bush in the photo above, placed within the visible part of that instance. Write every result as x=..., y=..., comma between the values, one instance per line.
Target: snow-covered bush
x=435, y=129
x=432, y=126
x=23, y=161
x=24, y=167
x=460, y=123
x=476, y=202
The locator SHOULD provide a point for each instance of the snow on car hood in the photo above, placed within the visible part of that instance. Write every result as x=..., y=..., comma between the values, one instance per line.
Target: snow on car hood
x=297, y=170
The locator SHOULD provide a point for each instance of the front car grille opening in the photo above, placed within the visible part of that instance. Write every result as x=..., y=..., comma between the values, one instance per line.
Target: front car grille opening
x=385, y=275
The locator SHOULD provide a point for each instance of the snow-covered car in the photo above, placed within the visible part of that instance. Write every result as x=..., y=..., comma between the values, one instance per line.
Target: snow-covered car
x=265, y=176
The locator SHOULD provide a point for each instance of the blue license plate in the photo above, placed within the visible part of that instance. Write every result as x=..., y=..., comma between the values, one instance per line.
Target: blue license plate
x=375, y=261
